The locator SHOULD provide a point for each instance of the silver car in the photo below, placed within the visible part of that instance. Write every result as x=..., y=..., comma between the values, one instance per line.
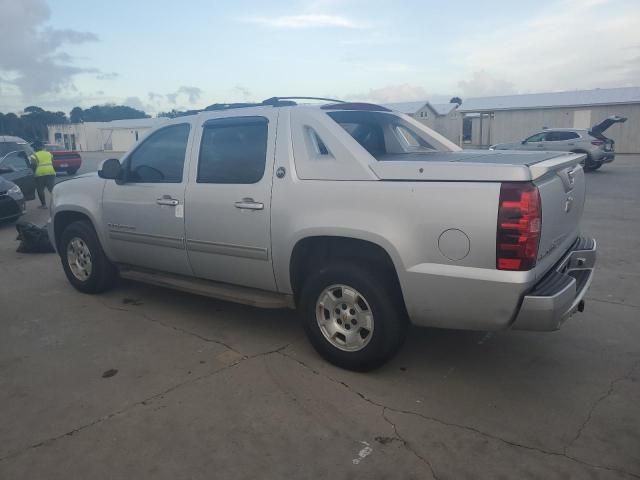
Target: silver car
x=362, y=218
x=592, y=142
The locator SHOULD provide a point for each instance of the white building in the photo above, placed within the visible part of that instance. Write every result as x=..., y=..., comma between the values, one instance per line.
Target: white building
x=121, y=135
x=444, y=118
x=511, y=118
x=483, y=121
x=114, y=136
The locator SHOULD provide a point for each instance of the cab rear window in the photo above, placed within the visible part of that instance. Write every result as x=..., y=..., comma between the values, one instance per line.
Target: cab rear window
x=385, y=136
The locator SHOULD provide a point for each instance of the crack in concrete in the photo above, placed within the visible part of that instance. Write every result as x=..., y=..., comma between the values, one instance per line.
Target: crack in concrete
x=597, y=403
x=385, y=408
x=144, y=402
x=146, y=316
x=407, y=445
x=612, y=302
x=463, y=427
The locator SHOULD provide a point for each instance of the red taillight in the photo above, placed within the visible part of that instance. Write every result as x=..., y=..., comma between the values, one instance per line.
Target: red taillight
x=519, y=221
x=597, y=142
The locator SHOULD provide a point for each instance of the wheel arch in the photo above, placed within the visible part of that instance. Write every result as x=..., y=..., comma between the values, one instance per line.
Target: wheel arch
x=311, y=252
x=64, y=218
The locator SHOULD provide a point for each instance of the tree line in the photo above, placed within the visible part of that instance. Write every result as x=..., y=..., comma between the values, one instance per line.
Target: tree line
x=31, y=125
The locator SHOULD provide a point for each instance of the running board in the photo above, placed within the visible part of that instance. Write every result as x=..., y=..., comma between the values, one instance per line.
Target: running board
x=209, y=288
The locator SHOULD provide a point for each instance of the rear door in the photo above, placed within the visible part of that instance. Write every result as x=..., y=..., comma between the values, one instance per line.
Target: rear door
x=228, y=201
x=144, y=214
x=15, y=167
x=561, y=140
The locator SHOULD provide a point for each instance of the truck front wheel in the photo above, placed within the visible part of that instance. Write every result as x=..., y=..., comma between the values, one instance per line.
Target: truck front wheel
x=353, y=315
x=87, y=267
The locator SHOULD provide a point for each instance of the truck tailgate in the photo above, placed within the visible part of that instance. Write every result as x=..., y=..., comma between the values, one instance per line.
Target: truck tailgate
x=562, y=196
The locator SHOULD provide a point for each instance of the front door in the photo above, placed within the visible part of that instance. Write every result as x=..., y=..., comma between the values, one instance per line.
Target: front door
x=228, y=201
x=144, y=214
x=535, y=142
x=16, y=168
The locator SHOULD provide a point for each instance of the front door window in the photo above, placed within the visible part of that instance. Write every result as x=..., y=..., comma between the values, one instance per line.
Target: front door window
x=160, y=158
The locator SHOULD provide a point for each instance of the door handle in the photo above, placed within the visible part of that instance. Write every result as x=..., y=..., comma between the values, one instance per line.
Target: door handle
x=167, y=200
x=249, y=204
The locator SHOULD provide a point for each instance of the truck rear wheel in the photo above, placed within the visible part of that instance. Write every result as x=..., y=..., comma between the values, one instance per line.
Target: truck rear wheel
x=353, y=316
x=86, y=266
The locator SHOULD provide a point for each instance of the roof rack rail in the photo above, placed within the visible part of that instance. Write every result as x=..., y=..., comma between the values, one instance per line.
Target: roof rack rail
x=362, y=106
x=288, y=101
x=228, y=106
x=273, y=102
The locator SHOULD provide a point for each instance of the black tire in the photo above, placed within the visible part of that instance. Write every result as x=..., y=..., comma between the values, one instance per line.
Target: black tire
x=588, y=164
x=382, y=294
x=103, y=272
x=72, y=171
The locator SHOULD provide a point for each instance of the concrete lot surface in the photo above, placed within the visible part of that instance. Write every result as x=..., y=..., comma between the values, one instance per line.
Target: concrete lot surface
x=207, y=389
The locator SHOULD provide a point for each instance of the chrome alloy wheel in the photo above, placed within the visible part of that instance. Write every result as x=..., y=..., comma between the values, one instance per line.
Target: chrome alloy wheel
x=344, y=318
x=79, y=259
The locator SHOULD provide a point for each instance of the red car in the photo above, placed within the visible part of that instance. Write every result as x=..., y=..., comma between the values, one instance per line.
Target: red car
x=64, y=160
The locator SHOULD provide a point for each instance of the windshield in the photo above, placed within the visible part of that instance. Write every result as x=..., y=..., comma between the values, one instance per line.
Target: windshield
x=386, y=136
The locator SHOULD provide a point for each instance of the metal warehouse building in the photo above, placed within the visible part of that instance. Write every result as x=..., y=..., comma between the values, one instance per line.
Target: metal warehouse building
x=483, y=121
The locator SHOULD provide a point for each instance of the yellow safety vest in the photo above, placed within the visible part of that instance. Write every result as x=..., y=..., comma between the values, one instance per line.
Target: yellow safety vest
x=44, y=164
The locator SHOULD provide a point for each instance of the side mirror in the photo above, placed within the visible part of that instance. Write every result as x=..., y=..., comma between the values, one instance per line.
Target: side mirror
x=110, y=169
x=7, y=169
x=523, y=142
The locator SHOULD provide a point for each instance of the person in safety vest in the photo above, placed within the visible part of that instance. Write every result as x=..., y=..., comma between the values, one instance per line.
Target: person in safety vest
x=44, y=173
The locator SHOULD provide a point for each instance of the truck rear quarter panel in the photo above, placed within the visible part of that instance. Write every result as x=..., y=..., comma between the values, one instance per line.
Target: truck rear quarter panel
x=409, y=220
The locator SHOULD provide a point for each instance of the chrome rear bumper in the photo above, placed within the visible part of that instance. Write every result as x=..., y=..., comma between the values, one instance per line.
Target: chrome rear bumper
x=560, y=293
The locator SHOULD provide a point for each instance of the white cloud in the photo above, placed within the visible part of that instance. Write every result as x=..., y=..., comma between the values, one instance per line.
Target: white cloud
x=558, y=48
x=312, y=20
x=107, y=76
x=482, y=84
x=30, y=47
x=193, y=94
x=393, y=93
x=135, y=102
x=244, y=92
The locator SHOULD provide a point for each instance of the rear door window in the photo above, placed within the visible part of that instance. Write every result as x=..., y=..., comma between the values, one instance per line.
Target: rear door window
x=7, y=147
x=15, y=160
x=233, y=150
x=561, y=136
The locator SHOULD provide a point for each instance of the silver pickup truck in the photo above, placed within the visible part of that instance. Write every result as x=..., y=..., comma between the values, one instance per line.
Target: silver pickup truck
x=360, y=217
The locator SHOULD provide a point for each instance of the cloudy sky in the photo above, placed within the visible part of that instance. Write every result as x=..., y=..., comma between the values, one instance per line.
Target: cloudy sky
x=163, y=54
